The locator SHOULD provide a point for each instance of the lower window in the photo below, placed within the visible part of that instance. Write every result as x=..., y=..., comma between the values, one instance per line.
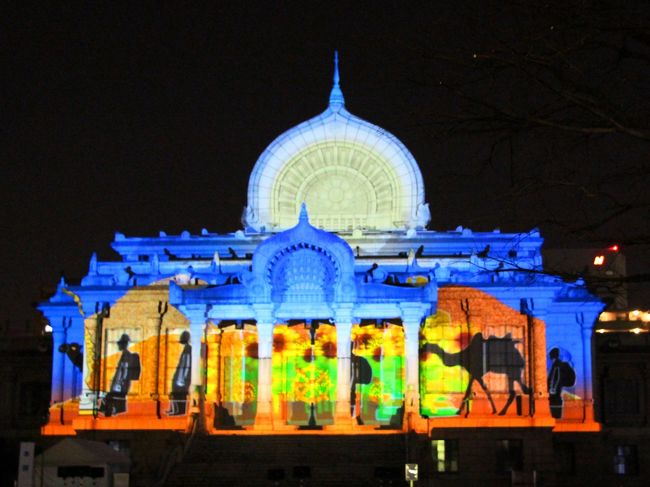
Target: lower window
x=445, y=455
x=510, y=456
x=625, y=460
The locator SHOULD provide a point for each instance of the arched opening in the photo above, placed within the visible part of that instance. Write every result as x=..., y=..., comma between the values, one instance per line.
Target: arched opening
x=232, y=374
x=378, y=374
x=304, y=373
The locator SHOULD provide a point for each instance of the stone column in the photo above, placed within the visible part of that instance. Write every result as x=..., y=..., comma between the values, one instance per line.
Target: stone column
x=587, y=329
x=197, y=317
x=88, y=399
x=411, y=319
x=59, y=337
x=342, y=416
x=264, y=416
x=538, y=362
x=93, y=331
x=75, y=376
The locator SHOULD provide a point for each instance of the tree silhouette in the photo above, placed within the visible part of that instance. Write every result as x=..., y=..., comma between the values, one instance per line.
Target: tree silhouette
x=556, y=92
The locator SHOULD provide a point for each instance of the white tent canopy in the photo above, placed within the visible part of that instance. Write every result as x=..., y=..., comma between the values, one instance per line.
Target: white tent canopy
x=77, y=452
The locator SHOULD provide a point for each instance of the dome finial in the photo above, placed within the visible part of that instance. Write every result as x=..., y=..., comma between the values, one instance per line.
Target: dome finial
x=336, y=68
x=336, y=95
x=304, y=216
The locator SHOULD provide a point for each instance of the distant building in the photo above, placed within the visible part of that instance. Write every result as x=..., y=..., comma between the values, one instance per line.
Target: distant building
x=334, y=309
x=603, y=270
x=24, y=392
x=622, y=348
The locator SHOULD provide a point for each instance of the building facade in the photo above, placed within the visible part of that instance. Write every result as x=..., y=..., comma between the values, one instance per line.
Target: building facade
x=334, y=309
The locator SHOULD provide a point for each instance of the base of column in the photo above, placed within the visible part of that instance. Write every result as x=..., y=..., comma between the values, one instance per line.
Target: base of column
x=412, y=402
x=342, y=417
x=264, y=417
x=415, y=422
x=542, y=408
x=589, y=411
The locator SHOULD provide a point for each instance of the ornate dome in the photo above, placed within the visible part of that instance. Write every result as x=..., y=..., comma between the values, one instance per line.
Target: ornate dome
x=350, y=173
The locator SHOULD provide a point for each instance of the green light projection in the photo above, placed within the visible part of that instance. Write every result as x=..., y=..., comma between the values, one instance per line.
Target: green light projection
x=304, y=373
x=232, y=372
x=380, y=401
x=439, y=384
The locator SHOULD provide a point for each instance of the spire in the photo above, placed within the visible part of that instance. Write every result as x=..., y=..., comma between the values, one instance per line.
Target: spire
x=336, y=95
x=304, y=217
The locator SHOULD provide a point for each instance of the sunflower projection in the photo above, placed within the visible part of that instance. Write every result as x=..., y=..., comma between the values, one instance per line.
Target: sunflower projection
x=232, y=373
x=324, y=310
x=304, y=374
x=378, y=394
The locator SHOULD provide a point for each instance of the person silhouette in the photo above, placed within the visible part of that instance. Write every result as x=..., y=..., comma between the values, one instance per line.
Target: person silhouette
x=560, y=375
x=127, y=370
x=181, y=379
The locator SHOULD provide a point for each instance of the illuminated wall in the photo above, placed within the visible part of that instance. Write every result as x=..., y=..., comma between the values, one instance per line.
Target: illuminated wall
x=378, y=397
x=474, y=356
x=231, y=377
x=345, y=313
x=304, y=374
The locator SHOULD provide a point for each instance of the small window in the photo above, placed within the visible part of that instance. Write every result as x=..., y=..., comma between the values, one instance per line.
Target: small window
x=622, y=397
x=510, y=456
x=445, y=455
x=34, y=399
x=120, y=445
x=625, y=460
x=80, y=471
x=301, y=472
x=565, y=458
x=275, y=474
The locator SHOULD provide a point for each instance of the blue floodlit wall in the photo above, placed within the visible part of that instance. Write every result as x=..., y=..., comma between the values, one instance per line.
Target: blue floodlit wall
x=127, y=338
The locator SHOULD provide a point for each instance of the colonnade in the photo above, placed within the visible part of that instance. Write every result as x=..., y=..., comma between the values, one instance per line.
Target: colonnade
x=265, y=323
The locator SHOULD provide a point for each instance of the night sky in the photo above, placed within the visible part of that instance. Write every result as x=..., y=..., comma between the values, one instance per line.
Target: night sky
x=138, y=120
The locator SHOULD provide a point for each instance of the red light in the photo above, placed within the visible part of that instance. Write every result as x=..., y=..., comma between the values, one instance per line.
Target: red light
x=613, y=248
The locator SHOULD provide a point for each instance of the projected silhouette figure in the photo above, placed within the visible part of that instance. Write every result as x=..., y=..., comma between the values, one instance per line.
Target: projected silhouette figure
x=181, y=379
x=494, y=354
x=560, y=375
x=127, y=370
x=361, y=374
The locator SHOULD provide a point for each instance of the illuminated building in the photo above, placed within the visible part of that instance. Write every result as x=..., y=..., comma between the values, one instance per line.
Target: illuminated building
x=333, y=309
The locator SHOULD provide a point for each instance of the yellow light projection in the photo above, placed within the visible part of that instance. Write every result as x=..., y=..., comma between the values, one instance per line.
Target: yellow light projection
x=304, y=374
x=378, y=395
x=232, y=372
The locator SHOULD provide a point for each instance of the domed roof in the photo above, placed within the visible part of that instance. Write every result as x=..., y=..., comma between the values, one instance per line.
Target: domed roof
x=350, y=173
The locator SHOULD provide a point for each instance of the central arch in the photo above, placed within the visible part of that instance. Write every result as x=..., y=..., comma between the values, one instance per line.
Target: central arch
x=302, y=273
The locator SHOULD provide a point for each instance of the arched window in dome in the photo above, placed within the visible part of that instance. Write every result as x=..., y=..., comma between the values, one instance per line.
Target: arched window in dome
x=344, y=185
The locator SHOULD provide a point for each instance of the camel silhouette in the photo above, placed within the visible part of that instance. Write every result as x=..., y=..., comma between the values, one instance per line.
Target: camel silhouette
x=494, y=354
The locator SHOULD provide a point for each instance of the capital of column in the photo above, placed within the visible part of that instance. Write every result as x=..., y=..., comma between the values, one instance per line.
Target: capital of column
x=263, y=312
x=412, y=315
x=586, y=327
x=197, y=314
x=265, y=322
x=343, y=313
x=412, y=311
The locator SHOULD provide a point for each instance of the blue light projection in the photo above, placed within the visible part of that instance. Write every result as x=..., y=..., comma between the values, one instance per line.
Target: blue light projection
x=351, y=315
